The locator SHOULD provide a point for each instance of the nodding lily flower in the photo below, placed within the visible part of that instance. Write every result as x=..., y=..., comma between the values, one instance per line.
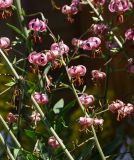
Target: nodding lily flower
x=12, y=118
x=99, y=28
x=98, y=122
x=77, y=71
x=5, y=4
x=40, y=98
x=129, y=34
x=91, y=43
x=35, y=117
x=59, y=48
x=87, y=100
x=53, y=142
x=121, y=108
x=37, y=25
x=4, y=42
x=85, y=121
x=98, y=75
x=39, y=59
x=120, y=6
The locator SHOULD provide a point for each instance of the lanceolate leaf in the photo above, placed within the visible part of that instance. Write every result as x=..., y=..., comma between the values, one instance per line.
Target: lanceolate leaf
x=58, y=106
x=16, y=30
x=10, y=84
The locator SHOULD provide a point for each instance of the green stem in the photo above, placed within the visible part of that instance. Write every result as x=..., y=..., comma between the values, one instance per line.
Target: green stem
x=106, y=82
x=21, y=18
x=84, y=111
x=95, y=10
x=10, y=65
x=8, y=150
x=37, y=107
x=102, y=111
x=10, y=132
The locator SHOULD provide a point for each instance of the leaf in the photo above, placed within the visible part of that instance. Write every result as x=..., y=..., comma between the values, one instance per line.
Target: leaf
x=87, y=151
x=96, y=19
x=31, y=157
x=10, y=84
x=16, y=152
x=16, y=30
x=84, y=88
x=30, y=134
x=46, y=70
x=58, y=106
x=68, y=107
x=14, y=61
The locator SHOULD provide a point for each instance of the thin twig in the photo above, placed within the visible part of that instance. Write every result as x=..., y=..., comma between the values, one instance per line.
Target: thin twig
x=7, y=89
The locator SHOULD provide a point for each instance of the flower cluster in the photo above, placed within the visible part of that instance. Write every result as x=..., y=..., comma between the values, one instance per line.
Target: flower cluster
x=37, y=25
x=40, y=98
x=121, y=108
x=53, y=142
x=87, y=121
x=41, y=59
x=5, y=4
x=87, y=100
x=56, y=50
x=71, y=9
x=4, y=42
x=120, y=6
x=98, y=28
x=91, y=43
x=129, y=34
x=77, y=71
x=98, y=75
